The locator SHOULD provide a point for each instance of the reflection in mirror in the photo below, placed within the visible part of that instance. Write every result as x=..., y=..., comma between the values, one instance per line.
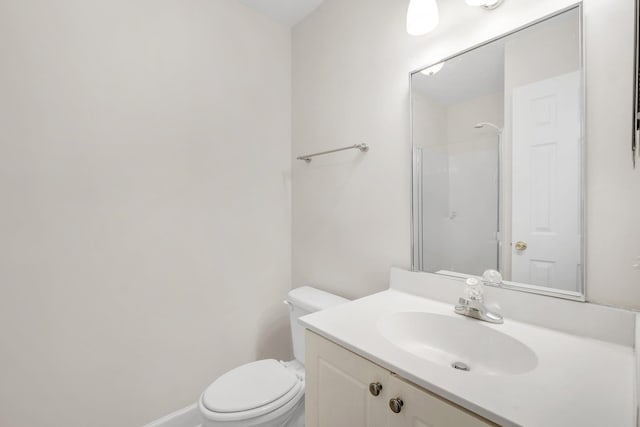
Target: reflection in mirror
x=498, y=160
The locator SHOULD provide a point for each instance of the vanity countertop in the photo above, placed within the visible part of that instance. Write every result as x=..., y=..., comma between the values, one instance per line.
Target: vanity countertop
x=578, y=381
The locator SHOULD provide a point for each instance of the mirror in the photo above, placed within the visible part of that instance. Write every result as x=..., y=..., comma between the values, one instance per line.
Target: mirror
x=498, y=160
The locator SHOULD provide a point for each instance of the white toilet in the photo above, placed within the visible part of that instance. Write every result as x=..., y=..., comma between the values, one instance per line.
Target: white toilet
x=267, y=393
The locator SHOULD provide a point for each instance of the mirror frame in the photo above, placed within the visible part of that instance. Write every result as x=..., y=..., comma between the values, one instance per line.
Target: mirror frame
x=416, y=185
x=635, y=135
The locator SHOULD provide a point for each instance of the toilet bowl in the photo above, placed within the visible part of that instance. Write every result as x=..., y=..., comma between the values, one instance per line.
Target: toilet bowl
x=266, y=393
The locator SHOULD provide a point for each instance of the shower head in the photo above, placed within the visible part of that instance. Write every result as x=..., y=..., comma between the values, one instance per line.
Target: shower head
x=487, y=124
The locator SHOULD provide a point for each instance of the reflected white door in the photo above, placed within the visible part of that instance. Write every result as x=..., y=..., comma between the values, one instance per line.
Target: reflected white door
x=546, y=196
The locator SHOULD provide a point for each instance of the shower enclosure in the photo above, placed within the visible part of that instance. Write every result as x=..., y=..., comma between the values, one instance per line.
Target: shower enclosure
x=460, y=183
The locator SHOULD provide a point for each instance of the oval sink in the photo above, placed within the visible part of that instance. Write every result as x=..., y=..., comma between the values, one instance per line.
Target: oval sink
x=463, y=342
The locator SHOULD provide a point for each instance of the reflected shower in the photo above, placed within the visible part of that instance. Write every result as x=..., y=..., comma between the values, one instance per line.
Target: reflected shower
x=499, y=130
x=487, y=124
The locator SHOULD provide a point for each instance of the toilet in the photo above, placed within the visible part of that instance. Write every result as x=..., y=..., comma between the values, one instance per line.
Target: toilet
x=267, y=393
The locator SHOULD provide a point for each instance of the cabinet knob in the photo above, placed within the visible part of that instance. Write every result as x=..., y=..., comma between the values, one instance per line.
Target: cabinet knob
x=375, y=388
x=396, y=405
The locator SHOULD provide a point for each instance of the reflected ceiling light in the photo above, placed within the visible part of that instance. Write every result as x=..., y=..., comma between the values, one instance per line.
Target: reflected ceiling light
x=433, y=69
x=422, y=16
x=487, y=4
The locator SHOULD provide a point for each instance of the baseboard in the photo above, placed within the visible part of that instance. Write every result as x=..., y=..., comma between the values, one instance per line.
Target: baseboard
x=185, y=417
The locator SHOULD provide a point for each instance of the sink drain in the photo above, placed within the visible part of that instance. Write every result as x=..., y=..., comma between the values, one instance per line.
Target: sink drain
x=460, y=366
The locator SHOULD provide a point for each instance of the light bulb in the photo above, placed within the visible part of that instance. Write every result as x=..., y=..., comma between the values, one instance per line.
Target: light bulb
x=422, y=16
x=433, y=69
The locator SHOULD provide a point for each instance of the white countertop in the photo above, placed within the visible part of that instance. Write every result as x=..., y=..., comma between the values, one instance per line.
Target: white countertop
x=578, y=381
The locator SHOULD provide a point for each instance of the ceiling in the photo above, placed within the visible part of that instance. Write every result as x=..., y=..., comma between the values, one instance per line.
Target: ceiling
x=289, y=12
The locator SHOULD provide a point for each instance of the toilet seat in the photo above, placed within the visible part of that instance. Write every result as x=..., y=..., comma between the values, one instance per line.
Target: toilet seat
x=251, y=391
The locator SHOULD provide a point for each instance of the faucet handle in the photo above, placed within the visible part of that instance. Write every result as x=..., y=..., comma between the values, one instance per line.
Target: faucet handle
x=473, y=289
x=492, y=277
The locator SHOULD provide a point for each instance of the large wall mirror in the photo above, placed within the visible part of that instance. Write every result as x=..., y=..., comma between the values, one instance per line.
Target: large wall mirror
x=498, y=159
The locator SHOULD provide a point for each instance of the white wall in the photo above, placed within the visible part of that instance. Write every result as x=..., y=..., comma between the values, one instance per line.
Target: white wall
x=350, y=80
x=145, y=222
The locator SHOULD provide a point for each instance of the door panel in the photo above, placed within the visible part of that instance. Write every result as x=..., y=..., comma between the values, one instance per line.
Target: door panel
x=546, y=191
x=337, y=388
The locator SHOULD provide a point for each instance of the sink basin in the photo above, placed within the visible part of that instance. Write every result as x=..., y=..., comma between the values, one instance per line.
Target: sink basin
x=460, y=341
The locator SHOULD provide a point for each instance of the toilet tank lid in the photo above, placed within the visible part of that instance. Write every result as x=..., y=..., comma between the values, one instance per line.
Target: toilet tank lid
x=312, y=299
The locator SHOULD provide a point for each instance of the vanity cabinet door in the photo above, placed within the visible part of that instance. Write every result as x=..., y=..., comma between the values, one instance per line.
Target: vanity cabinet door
x=421, y=408
x=338, y=387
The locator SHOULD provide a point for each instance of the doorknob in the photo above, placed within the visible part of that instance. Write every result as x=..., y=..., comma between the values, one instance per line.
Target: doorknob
x=521, y=246
x=375, y=388
x=396, y=405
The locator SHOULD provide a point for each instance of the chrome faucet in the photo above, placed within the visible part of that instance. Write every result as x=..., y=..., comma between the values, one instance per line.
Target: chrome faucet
x=477, y=310
x=472, y=304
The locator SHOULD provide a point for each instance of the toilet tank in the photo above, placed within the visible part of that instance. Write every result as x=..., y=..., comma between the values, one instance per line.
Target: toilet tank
x=303, y=301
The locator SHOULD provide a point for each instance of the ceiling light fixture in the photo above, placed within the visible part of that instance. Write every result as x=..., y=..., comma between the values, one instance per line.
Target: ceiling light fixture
x=422, y=17
x=486, y=4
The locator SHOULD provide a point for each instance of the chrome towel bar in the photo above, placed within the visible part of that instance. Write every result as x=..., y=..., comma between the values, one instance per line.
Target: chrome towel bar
x=362, y=147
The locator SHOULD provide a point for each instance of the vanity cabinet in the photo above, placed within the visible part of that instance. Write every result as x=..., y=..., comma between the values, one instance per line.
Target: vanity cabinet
x=346, y=390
